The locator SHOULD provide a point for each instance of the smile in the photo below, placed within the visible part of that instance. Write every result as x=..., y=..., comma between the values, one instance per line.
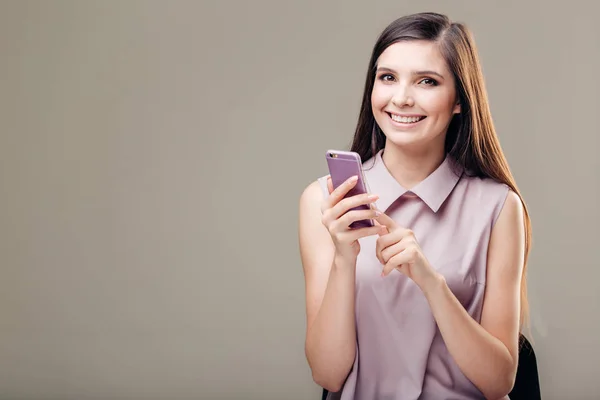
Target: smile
x=406, y=120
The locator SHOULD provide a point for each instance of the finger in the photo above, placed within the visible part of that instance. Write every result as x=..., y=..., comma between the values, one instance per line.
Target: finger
x=384, y=229
x=349, y=203
x=329, y=184
x=396, y=261
x=375, y=221
x=407, y=256
x=337, y=194
x=384, y=255
x=399, y=234
x=355, y=234
x=386, y=239
x=358, y=215
x=386, y=220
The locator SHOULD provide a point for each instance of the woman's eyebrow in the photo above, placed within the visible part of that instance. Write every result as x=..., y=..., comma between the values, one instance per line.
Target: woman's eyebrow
x=423, y=72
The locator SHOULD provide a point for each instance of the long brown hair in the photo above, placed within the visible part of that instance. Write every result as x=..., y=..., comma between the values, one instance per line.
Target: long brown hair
x=471, y=137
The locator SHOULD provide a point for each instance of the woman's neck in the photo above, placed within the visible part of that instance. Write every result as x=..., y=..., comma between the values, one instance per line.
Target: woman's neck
x=409, y=168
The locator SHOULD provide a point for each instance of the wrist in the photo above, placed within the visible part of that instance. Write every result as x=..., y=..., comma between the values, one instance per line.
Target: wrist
x=432, y=283
x=343, y=263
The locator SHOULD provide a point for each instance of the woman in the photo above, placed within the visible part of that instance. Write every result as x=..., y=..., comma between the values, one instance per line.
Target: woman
x=430, y=301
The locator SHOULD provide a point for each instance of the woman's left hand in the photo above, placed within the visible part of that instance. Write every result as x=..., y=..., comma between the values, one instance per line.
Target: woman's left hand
x=399, y=249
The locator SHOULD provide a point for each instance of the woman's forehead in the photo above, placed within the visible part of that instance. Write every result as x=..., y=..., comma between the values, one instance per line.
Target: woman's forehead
x=410, y=56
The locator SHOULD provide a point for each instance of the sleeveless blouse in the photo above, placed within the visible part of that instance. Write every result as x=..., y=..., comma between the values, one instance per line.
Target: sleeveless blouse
x=400, y=352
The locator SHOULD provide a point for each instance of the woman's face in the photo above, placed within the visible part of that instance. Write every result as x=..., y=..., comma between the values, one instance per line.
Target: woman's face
x=414, y=97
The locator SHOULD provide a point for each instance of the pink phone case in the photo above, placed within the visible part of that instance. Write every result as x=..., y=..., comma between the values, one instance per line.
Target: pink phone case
x=342, y=165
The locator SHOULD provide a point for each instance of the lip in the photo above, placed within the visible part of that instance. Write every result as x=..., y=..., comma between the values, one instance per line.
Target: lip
x=405, y=124
x=406, y=115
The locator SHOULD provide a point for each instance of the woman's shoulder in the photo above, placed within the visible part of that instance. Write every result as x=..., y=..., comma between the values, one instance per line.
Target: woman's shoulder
x=315, y=191
x=316, y=188
x=485, y=195
x=484, y=184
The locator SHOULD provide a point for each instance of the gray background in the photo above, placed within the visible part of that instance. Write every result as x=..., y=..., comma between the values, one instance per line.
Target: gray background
x=151, y=158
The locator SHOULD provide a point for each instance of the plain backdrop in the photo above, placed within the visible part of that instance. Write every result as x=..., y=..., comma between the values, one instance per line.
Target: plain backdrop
x=152, y=154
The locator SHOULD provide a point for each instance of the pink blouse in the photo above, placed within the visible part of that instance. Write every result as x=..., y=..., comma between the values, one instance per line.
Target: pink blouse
x=400, y=353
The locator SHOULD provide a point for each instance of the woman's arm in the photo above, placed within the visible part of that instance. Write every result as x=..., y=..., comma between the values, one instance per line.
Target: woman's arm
x=488, y=353
x=330, y=331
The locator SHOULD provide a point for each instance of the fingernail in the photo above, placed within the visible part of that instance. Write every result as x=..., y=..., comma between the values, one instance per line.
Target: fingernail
x=377, y=213
x=373, y=197
x=353, y=178
x=382, y=274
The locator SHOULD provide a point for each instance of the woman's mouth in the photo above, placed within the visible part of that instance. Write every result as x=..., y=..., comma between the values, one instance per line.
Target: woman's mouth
x=403, y=120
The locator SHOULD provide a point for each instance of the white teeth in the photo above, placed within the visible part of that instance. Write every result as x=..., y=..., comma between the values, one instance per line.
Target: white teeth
x=406, y=120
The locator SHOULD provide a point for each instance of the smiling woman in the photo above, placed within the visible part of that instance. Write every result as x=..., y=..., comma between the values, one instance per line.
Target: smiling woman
x=431, y=303
x=414, y=94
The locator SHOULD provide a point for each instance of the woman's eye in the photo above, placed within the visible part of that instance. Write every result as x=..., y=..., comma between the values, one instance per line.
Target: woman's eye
x=429, y=82
x=385, y=76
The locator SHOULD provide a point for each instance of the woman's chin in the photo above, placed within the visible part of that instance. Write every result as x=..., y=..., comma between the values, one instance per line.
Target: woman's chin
x=404, y=139
x=413, y=142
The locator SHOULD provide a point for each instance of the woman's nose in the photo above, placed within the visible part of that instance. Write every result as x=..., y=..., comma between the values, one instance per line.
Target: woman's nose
x=402, y=98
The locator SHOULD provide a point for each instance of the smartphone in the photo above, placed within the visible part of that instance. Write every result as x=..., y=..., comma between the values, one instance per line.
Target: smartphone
x=343, y=165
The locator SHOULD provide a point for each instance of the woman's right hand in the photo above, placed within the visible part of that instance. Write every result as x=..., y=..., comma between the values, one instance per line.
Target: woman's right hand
x=337, y=218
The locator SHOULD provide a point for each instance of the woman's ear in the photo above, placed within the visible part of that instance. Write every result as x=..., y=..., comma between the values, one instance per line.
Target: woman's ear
x=456, y=108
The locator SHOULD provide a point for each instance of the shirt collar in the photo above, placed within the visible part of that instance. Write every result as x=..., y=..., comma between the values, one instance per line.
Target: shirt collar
x=433, y=190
